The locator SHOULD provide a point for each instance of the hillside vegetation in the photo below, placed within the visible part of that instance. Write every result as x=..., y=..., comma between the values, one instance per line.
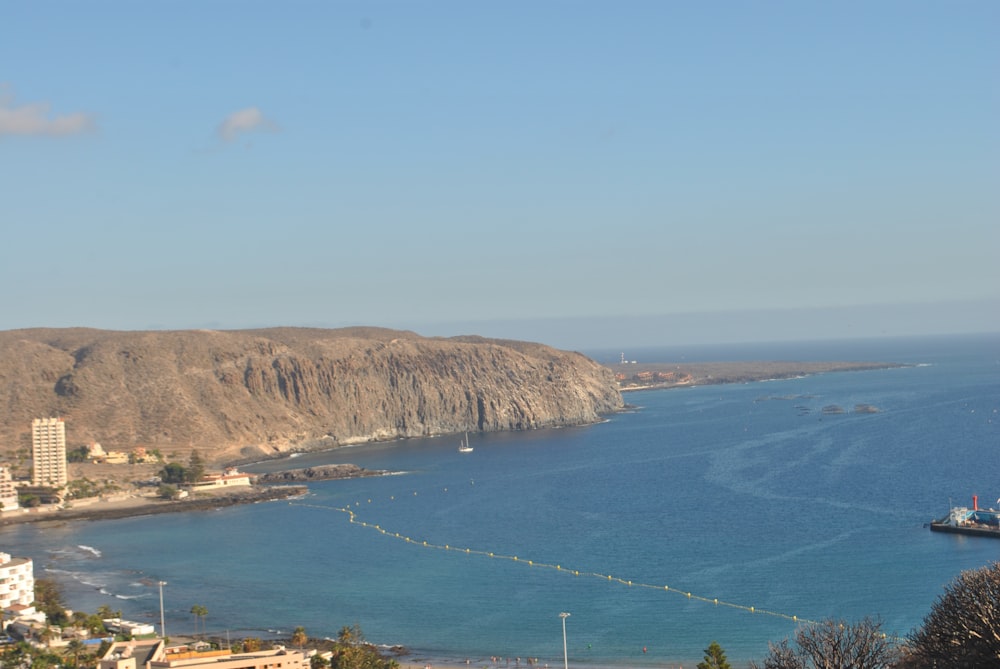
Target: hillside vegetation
x=239, y=395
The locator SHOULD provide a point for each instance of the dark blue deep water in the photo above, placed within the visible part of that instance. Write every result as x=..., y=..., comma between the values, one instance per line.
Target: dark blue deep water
x=747, y=494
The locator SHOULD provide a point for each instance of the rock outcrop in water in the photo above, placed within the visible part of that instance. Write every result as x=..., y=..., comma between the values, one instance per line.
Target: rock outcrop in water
x=319, y=473
x=238, y=395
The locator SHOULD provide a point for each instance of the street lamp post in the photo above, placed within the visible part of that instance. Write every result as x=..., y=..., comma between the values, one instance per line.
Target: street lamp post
x=564, y=616
x=163, y=632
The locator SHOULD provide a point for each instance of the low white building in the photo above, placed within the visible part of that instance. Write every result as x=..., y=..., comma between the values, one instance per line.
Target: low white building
x=128, y=627
x=229, y=478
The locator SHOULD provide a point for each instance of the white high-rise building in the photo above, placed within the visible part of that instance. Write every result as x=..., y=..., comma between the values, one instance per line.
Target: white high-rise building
x=17, y=581
x=48, y=452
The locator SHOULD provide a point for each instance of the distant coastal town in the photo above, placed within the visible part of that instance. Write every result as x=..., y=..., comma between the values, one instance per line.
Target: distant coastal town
x=114, y=484
x=40, y=628
x=88, y=482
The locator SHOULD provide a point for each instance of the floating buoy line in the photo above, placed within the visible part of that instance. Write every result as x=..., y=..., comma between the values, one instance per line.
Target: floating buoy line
x=569, y=571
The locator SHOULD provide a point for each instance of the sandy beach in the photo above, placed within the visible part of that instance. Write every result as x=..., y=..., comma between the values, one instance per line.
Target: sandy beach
x=129, y=505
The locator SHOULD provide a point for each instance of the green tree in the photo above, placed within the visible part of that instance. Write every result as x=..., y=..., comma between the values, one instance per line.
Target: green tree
x=353, y=652
x=167, y=491
x=75, y=649
x=715, y=658
x=350, y=635
x=963, y=626
x=299, y=637
x=78, y=454
x=95, y=625
x=48, y=600
x=173, y=473
x=79, y=619
x=199, y=612
x=195, y=469
x=44, y=659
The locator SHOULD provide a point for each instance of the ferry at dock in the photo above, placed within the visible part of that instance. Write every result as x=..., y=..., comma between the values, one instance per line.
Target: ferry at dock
x=975, y=521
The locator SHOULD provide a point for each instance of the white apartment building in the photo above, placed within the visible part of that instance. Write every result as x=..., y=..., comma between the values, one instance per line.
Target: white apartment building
x=17, y=581
x=48, y=452
x=8, y=493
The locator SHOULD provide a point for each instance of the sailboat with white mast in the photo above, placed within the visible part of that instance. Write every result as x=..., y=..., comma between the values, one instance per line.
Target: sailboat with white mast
x=463, y=446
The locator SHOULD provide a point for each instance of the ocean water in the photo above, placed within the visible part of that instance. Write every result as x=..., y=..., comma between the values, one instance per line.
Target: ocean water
x=766, y=510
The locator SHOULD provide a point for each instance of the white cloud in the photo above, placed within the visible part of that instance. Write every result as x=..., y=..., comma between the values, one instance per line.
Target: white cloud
x=33, y=119
x=245, y=120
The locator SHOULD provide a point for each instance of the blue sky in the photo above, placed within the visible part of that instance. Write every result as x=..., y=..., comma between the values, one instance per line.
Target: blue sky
x=703, y=171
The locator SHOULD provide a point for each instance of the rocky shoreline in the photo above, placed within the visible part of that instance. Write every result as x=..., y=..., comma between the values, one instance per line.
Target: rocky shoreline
x=318, y=473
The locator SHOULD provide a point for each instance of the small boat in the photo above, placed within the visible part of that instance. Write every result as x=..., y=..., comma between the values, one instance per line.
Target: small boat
x=463, y=446
x=975, y=521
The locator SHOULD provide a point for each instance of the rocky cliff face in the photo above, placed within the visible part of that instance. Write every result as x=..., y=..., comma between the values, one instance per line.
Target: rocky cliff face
x=243, y=394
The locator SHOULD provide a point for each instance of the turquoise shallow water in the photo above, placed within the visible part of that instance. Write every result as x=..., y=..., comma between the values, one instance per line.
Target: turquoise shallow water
x=746, y=494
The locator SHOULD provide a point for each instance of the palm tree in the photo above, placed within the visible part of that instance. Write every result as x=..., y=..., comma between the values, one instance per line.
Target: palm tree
x=76, y=648
x=46, y=634
x=79, y=619
x=199, y=612
x=349, y=636
x=299, y=637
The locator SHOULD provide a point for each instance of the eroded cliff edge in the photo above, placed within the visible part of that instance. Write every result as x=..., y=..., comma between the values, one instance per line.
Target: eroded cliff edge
x=243, y=394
